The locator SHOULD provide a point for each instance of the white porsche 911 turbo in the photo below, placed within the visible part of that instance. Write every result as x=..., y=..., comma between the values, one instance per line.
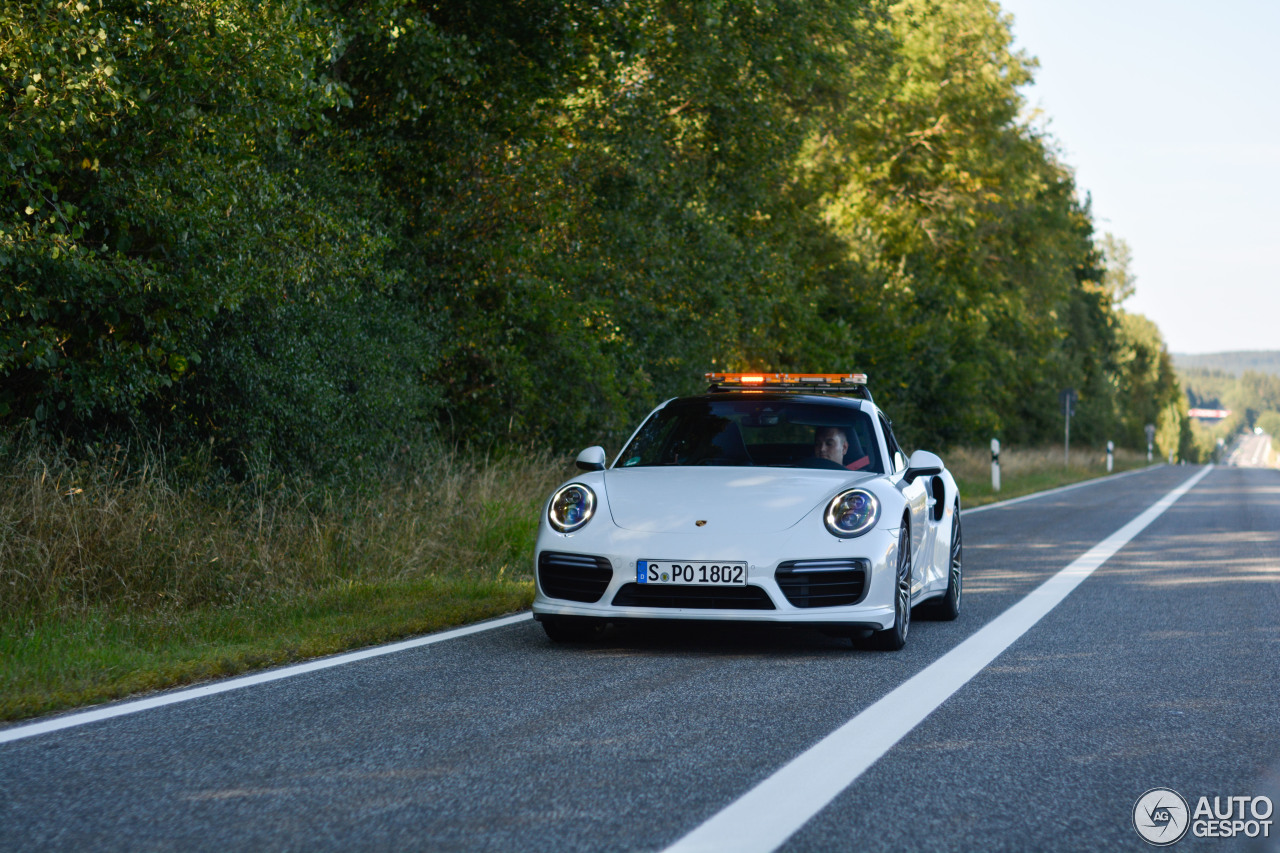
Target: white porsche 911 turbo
x=777, y=498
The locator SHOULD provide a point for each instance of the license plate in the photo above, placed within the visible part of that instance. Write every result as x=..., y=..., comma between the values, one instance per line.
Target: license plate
x=691, y=573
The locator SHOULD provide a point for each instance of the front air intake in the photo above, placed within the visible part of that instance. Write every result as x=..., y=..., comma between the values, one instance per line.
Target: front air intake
x=576, y=577
x=823, y=583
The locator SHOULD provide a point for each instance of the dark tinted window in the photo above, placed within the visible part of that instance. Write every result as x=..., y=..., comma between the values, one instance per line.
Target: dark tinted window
x=897, y=457
x=752, y=432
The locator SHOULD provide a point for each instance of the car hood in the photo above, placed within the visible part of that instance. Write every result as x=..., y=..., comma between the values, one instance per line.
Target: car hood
x=755, y=500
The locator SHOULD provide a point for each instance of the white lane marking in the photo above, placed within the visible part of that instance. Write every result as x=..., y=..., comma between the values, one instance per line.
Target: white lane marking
x=83, y=717
x=766, y=816
x=1106, y=478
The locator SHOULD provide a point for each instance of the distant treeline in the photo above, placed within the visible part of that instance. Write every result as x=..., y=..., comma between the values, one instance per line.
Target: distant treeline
x=1248, y=395
x=1232, y=363
x=1253, y=398
x=307, y=231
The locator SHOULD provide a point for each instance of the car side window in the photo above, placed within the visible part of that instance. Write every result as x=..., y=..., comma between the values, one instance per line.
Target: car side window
x=896, y=456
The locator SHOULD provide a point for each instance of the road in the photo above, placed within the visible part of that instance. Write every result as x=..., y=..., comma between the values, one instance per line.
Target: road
x=1159, y=670
x=1251, y=451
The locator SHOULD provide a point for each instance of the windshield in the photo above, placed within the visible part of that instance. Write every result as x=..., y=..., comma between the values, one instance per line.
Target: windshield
x=778, y=433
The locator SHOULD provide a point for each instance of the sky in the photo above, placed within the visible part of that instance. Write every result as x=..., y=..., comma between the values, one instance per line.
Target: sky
x=1169, y=113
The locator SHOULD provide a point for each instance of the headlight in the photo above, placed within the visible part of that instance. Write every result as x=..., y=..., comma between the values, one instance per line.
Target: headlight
x=571, y=507
x=852, y=513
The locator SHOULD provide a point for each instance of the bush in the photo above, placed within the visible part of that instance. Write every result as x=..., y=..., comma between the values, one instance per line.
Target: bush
x=314, y=385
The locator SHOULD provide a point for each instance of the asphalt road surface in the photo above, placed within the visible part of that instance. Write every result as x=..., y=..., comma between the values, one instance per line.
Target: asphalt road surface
x=1160, y=669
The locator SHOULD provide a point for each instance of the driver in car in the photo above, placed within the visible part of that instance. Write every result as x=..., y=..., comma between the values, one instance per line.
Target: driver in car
x=832, y=444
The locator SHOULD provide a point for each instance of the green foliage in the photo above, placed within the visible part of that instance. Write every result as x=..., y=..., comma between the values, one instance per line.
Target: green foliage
x=970, y=295
x=1148, y=384
x=1255, y=392
x=171, y=209
x=138, y=199
x=320, y=385
x=1246, y=396
x=1269, y=422
x=1251, y=396
x=310, y=232
x=1117, y=278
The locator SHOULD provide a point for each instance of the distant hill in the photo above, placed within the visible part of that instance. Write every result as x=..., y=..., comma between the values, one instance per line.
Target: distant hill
x=1234, y=363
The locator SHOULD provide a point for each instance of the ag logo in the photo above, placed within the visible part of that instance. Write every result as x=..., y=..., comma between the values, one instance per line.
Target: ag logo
x=1161, y=816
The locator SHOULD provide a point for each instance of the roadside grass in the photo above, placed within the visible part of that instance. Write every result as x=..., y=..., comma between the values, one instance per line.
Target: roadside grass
x=1024, y=471
x=117, y=578
x=120, y=576
x=111, y=652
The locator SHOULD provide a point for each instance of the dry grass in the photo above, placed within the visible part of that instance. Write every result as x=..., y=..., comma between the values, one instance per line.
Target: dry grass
x=120, y=578
x=77, y=535
x=1026, y=470
x=972, y=462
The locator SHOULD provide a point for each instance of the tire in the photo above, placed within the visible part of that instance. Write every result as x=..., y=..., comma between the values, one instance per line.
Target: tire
x=895, y=637
x=562, y=629
x=948, y=608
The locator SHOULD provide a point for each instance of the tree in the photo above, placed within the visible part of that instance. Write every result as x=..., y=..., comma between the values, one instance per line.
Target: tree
x=313, y=231
x=1118, y=278
x=147, y=185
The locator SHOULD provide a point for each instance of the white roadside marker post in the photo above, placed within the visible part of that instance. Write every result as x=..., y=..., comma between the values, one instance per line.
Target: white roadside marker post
x=995, y=464
x=1111, y=450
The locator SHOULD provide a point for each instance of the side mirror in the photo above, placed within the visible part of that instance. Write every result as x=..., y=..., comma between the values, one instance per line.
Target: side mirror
x=922, y=464
x=591, y=459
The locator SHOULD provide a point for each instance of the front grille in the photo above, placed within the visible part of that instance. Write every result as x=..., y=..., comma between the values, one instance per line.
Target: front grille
x=695, y=597
x=823, y=583
x=577, y=577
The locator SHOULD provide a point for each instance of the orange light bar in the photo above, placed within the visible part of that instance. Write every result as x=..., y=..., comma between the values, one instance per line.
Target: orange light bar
x=788, y=378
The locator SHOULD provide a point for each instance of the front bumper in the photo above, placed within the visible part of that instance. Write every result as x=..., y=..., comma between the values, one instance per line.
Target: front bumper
x=778, y=564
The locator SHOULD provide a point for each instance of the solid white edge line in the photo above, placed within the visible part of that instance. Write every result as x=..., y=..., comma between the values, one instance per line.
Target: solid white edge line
x=1105, y=478
x=766, y=816
x=83, y=717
